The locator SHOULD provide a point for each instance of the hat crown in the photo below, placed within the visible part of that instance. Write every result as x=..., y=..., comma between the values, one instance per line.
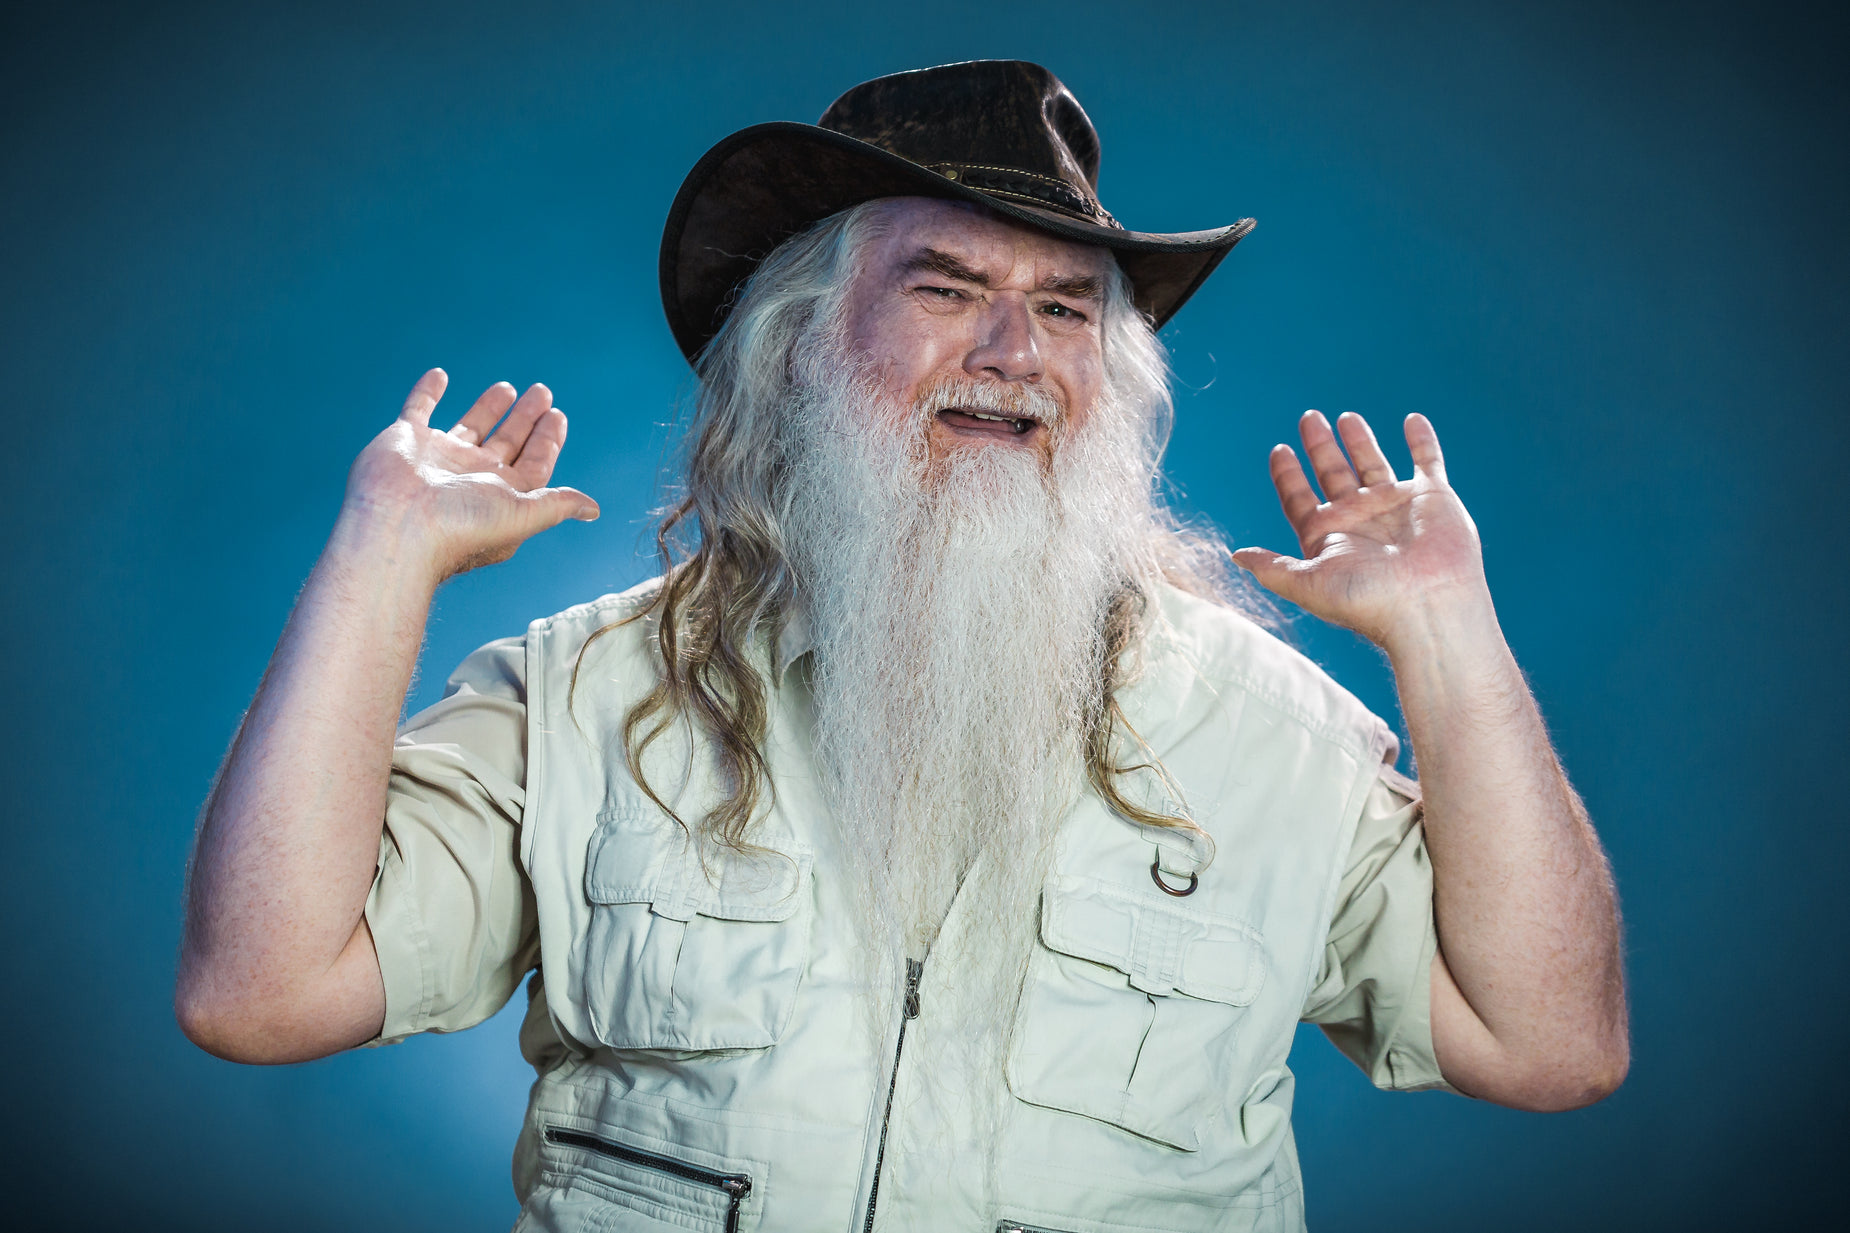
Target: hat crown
x=1008, y=122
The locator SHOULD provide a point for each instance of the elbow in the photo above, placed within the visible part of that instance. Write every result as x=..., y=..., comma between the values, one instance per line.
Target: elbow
x=1604, y=1073
x=1571, y=1079
x=201, y=1020
x=1586, y=1087
x=216, y=1024
x=239, y=1018
x=235, y=1029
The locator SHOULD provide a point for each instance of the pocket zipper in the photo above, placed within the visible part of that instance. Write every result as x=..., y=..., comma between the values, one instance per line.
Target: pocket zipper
x=735, y=1185
x=1010, y=1226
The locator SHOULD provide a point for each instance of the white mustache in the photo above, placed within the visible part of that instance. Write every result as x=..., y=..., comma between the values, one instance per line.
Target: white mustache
x=1013, y=399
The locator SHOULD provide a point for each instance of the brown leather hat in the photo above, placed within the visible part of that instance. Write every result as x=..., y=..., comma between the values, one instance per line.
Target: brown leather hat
x=1002, y=133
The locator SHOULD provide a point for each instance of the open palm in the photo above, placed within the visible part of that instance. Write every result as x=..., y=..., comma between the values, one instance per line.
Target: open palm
x=1376, y=549
x=472, y=495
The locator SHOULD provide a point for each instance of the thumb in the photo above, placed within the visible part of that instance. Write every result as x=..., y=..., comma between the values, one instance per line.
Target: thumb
x=575, y=504
x=548, y=507
x=1274, y=571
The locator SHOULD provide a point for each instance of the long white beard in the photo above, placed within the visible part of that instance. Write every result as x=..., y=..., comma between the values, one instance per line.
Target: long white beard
x=957, y=615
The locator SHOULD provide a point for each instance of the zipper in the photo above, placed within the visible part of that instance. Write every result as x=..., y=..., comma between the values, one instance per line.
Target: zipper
x=1010, y=1226
x=915, y=968
x=735, y=1185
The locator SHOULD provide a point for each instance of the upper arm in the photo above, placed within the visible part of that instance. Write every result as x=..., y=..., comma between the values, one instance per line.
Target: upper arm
x=351, y=1005
x=444, y=932
x=1466, y=1051
x=1477, y=1064
x=450, y=921
x=1371, y=996
x=1388, y=999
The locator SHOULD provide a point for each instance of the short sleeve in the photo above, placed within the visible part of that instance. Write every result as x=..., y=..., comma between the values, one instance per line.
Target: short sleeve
x=1373, y=995
x=451, y=911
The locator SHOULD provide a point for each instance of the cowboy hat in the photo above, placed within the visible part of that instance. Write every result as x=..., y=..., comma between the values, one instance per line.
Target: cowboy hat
x=1004, y=134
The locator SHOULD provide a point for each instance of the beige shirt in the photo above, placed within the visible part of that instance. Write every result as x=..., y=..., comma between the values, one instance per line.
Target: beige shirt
x=455, y=926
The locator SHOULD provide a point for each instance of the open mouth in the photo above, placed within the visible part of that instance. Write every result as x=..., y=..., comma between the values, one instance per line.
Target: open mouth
x=987, y=423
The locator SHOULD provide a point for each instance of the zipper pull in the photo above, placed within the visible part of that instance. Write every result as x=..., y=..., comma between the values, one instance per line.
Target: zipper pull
x=736, y=1187
x=915, y=968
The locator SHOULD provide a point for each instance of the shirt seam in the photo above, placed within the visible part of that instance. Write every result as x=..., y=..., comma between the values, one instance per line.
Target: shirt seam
x=1185, y=643
x=1353, y=806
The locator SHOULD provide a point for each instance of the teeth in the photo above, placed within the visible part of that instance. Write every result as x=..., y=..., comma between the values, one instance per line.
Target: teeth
x=1016, y=424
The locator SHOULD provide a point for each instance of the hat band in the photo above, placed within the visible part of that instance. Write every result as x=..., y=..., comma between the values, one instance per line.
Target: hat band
x=1026, y=186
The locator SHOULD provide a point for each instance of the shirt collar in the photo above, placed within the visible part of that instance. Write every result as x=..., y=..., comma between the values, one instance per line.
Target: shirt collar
x=793, y=643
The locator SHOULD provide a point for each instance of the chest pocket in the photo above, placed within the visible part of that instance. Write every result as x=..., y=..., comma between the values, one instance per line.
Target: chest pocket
x=1132, y=1010
x=683, y=955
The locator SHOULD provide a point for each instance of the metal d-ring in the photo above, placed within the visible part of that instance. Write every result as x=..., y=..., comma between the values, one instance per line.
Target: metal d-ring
x=1156, y=876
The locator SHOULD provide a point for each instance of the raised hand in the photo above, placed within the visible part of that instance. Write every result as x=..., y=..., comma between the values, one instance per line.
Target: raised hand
x=1381, y=555
x=454, y=500
x=1528, y=988
x=278, y=962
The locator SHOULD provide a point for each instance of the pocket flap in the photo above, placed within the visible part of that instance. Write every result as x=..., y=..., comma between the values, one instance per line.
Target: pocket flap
x=1163, y=948
x=638, y=859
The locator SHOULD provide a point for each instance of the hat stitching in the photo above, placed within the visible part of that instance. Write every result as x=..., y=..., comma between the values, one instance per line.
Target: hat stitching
x=1030, y=199
x=1064, y=194
x=1014, y=171
x=1059, y=193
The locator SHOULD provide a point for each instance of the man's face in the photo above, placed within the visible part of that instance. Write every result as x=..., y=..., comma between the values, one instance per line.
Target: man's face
x=950, y=295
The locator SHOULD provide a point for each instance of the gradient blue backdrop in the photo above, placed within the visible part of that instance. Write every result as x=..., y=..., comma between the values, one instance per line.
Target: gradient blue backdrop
x=1603, y=248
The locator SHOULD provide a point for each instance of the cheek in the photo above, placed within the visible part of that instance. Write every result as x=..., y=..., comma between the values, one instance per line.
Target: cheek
x=904, y=353
x=877, y=337
x=1084, y=385
x=867, y=328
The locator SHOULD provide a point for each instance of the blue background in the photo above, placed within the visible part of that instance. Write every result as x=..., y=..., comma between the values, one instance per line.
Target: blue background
x=1603, y=248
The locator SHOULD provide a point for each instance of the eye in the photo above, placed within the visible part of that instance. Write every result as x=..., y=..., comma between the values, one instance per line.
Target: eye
x=942, y=293
x=1062, y=312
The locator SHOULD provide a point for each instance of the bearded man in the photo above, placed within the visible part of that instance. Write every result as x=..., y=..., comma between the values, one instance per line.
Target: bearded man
x=942, y=841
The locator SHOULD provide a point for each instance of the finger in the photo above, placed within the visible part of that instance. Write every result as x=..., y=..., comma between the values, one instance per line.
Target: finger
x=541, y=452
x=422, y=399
x=1359, y=439
x=512, y=435
x=474, y=427
x=1273, y=571
x=1334, y=475
x=1295, y=495
x=1423, y=444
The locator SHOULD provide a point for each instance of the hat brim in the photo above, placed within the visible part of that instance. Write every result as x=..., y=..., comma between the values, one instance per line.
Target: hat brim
x=763, y=184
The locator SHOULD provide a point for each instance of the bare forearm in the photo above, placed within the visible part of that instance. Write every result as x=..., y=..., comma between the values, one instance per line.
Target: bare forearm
x=275, y=962
x=1528, y=925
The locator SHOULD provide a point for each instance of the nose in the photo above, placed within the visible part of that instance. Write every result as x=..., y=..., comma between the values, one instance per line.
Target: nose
x=1005, y=348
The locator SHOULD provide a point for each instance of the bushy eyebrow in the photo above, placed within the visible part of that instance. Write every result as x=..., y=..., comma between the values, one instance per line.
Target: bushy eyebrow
x=1078, y=286
x=936, y=261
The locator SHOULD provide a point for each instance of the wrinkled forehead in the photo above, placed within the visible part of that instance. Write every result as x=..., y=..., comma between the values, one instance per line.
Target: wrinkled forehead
x=998, y=246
